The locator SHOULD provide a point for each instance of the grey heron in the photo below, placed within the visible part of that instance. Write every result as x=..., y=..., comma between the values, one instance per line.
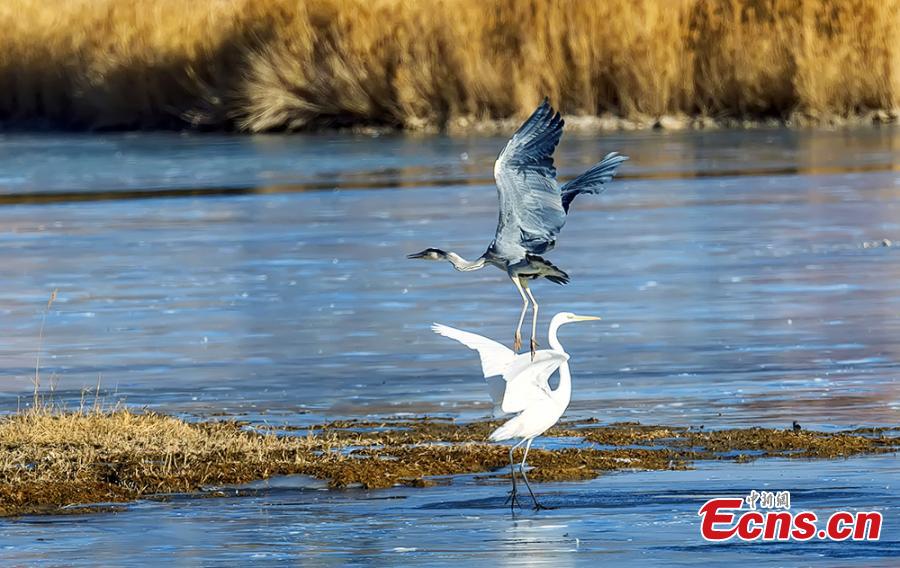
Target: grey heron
x=533, y=209
x=520, y=384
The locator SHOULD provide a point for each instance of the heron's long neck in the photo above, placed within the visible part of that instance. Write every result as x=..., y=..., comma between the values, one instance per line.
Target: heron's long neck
x=563, y=392
x=464, y=265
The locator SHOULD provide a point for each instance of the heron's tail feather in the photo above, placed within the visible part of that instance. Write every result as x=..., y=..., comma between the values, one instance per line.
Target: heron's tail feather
x=593, y=180
x=561, y=280
x=548, y=270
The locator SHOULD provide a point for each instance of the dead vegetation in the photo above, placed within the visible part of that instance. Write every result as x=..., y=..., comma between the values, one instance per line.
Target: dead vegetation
x=258, y=65
x=50, y=459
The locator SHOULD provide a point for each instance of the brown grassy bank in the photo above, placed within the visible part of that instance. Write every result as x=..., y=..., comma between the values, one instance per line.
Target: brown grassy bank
x=259, y=65
x=51, y=459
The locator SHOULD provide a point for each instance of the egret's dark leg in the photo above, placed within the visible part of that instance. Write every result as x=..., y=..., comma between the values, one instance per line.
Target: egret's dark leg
x=537, y=506
x=517, y=343
x=511, y=498
x=534, y=311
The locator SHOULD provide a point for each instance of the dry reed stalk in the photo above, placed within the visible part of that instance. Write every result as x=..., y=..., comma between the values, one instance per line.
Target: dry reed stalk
x=36, y=381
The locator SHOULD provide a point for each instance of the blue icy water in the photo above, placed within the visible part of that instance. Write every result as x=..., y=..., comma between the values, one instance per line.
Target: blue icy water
x=623, y=519
x=266, y=277
x=728, y=267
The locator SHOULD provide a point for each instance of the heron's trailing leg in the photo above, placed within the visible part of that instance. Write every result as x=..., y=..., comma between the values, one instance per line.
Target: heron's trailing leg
x=511, y=499
x=537, y=505
x=534, y=311
x=517, y=342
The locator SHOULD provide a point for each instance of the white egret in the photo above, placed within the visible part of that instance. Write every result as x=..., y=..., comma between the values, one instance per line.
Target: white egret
x=520, y=384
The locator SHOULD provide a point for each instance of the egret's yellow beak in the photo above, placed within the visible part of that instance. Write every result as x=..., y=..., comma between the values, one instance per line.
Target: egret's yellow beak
x=586, y=318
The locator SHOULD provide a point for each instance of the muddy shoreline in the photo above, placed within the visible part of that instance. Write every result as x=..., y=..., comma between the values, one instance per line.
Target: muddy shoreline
x=472, y=125
x=670, y=122
x=52, y=461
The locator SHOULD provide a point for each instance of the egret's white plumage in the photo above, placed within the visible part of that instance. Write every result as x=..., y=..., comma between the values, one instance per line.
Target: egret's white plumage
x=520, y=384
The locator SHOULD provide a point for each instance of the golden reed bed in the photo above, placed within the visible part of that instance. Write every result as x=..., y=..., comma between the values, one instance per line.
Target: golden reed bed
x=259, y=65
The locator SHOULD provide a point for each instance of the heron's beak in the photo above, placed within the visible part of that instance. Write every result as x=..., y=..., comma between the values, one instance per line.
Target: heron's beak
x=417, y=255
x=586, y=318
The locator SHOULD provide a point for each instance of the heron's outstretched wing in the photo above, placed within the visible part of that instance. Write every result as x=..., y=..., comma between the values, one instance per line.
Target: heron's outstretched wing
x=527, y=380
x=531, y=211
x=495, y=358
x=594, y=180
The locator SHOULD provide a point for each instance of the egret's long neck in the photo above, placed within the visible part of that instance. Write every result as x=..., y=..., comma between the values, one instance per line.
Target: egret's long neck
x=551, y=333
x=563, y=392
x=464, y=265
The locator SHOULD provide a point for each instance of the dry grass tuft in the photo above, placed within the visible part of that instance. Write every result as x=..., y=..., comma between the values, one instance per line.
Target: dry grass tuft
x=260, y=65
x=50, y=458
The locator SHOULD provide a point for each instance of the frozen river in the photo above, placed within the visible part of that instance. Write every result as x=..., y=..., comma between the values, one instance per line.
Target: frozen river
x=265, y=277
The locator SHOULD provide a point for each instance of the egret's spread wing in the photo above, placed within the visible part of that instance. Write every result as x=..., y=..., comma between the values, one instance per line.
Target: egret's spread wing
x=531, y=211
x=496, y=388
x=494, y=356
x=527, y=381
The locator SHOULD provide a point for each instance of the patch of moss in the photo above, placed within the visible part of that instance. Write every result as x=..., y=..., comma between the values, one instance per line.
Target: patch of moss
x=49, y=460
